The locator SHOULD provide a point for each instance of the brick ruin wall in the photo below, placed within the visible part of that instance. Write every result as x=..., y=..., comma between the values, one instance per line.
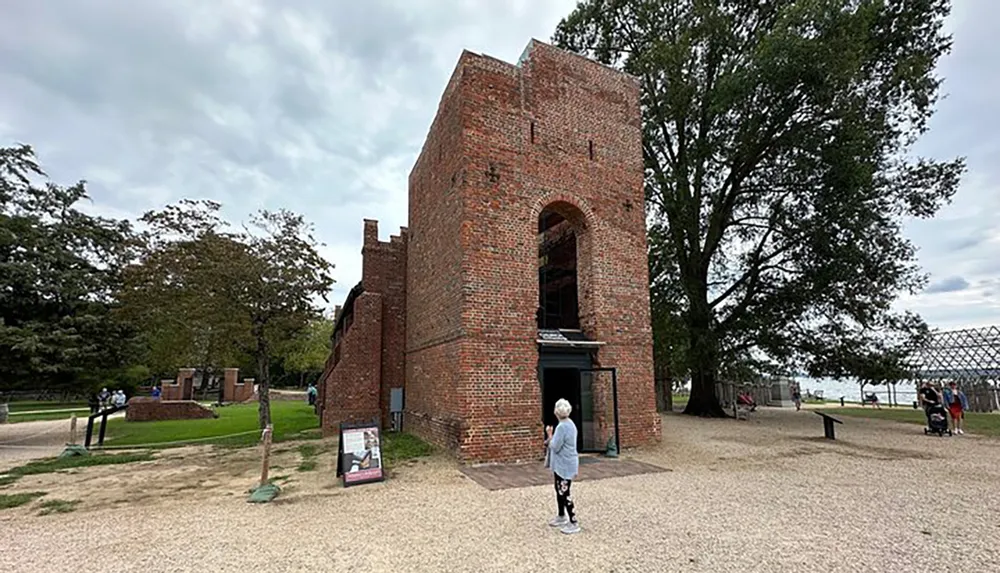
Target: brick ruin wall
x=556, y=130
x=233, y=390
x=180, y=389
x=367, y=361
x=146, y=409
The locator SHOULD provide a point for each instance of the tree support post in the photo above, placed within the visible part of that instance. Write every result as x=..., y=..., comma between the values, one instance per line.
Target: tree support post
x=265, y=491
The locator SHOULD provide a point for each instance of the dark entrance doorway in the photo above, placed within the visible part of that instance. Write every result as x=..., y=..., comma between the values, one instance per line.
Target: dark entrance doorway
x=569, y=373
x=561, y=383
x=559, y=377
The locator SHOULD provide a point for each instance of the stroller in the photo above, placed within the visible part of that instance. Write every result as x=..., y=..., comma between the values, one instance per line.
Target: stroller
x=937, y=421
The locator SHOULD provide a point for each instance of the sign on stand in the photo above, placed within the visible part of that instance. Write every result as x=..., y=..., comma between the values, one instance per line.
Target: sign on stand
x=359, y=454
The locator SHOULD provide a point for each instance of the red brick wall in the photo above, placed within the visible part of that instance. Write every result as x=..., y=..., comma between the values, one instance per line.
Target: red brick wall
x=384, y=271
x=434, y=277
x=233, y=390
x=182, y=389
x=475, y=195
x=353, y=385
x=145, y=409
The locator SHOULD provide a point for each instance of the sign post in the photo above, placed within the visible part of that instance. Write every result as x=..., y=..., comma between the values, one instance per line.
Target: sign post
x=359, y=454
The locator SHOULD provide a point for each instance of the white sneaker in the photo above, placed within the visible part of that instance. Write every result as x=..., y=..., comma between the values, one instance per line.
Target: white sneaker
x=558, y=521
x=571, y=528
x=960, y=431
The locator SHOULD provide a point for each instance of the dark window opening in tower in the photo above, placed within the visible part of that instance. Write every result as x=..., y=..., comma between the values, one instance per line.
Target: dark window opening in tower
x=557, y=272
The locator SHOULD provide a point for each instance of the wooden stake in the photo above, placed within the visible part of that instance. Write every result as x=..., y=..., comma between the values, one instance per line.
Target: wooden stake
x=72, y=429
x=267, y=455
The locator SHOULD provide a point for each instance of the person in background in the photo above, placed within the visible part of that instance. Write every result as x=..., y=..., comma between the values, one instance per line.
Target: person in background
x=746, y=399
x=797, y=396
x=928, y=396
x=104, y=398
x=957, y=404
x=156, y=391
x=311, y=394
x=93, y=403
x=564, y=461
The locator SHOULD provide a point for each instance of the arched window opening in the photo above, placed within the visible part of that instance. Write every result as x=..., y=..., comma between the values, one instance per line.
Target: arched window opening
x=558, y=305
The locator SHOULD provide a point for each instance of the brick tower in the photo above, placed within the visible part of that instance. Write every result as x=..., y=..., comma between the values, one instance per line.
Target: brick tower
x=526, y=265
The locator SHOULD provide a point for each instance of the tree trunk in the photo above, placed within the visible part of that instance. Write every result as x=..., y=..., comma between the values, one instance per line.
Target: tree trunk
x=205, y=375
x=703, y=400
x=702, y=355
x=664, y=394
x=263, y=372
x=222, y=389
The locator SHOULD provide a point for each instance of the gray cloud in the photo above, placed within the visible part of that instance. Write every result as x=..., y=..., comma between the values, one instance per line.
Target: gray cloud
x=950, y=284
x=321, y=107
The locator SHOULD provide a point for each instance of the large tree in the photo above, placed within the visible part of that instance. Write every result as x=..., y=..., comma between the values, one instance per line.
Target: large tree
x=58, y=273
x=776, y=136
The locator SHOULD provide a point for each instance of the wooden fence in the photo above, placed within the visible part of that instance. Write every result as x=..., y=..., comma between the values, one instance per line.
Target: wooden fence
x=728, y=391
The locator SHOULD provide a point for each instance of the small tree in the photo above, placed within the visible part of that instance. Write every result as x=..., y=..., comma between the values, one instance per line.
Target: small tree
x=178, y=289
x=282, y=274
x=207, y=292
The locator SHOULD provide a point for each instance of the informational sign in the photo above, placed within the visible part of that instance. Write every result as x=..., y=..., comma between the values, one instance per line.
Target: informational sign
x=360, y=454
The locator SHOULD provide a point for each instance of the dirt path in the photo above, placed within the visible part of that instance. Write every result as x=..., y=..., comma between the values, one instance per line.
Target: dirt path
x=27, y=440
x=765, y=495
x=40, y=439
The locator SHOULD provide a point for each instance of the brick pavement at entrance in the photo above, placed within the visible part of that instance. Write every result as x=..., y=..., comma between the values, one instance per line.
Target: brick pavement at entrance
x=507, y=476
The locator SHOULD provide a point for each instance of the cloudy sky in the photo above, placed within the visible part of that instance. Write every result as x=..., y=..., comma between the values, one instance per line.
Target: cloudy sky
x=321, y=106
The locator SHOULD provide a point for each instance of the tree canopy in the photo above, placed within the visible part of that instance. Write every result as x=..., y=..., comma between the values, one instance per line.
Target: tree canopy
x=87, y=300
x=208, y=294
x=59, y=271
x=777, y=138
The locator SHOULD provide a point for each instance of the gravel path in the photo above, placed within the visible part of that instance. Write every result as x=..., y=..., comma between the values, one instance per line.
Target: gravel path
x=39, y=439
x=765, y=495
x=27, y=440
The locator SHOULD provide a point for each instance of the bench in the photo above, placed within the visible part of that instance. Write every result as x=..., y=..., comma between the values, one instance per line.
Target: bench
x=828, y=422
x=742, y=411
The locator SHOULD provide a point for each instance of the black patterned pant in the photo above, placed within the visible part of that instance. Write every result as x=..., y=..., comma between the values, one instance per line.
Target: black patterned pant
x=564, y=499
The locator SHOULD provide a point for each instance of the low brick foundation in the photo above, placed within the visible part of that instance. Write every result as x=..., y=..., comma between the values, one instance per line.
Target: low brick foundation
x=143, y=409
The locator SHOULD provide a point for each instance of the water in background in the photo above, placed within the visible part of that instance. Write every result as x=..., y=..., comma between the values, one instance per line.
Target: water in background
x=905, y=393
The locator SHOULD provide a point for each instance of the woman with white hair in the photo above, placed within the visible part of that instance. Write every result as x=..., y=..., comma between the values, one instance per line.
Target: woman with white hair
x=562, y=457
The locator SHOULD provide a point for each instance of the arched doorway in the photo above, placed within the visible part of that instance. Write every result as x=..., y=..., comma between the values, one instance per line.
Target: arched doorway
x=566, y=356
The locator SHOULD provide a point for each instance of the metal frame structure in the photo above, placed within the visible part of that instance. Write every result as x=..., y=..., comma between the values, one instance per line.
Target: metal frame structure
x=103, y=415
x=970, y=356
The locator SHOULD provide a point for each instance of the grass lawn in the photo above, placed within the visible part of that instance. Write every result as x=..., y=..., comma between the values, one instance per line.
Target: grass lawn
x=400, y=447
x=18, y=499
x=976, y=423
x=291, y=419
x=51, y=465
